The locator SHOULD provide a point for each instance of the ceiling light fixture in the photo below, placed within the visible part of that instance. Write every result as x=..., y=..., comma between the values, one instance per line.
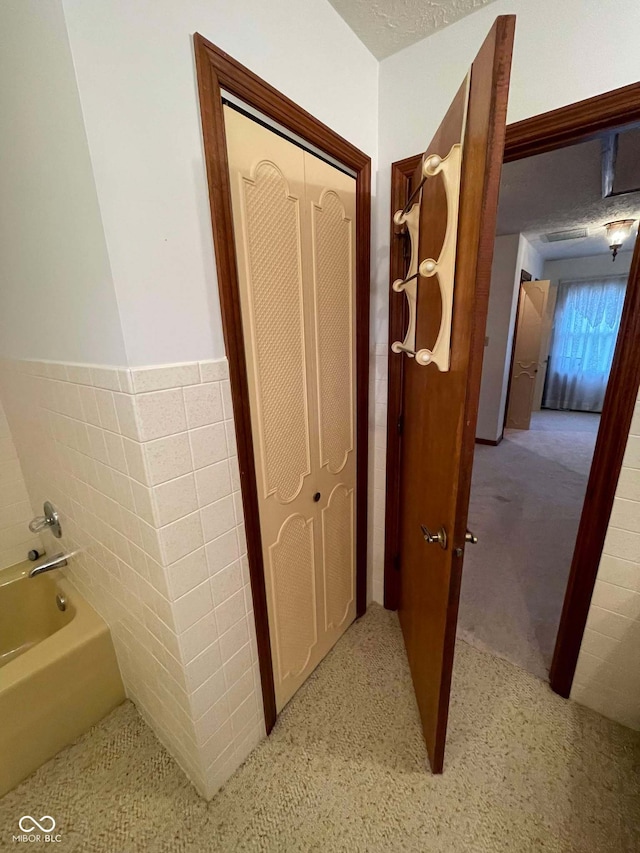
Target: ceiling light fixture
x=617, y=233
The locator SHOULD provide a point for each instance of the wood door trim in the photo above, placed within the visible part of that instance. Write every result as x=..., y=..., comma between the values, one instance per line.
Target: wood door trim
x=216, y=70
x=568, y=125
x=576, y=122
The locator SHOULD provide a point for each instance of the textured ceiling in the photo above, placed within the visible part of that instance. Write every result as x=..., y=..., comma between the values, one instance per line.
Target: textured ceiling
x=386, y=26
x=558, y=191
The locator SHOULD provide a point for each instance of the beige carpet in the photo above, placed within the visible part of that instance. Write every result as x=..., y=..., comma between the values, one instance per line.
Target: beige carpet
x=526, y=499
x=344, y=770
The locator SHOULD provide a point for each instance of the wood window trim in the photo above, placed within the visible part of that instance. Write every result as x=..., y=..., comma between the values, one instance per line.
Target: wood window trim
x=216, y=70
x=549, y=131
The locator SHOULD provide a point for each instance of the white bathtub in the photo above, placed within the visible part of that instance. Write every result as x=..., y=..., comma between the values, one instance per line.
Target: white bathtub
x=58, y=670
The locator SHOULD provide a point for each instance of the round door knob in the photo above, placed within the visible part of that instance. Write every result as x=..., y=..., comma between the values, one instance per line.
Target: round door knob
x=317, y=497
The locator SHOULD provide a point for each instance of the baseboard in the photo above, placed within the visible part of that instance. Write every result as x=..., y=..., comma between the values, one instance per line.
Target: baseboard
x=489, y=441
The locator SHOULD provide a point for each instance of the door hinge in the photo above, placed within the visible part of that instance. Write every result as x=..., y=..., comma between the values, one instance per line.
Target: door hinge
x=396, y=562
x=400, y=424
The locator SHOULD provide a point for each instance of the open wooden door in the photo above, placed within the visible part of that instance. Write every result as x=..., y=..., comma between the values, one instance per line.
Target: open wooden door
x=545, y=346
x=440, y=400
x=527, y=356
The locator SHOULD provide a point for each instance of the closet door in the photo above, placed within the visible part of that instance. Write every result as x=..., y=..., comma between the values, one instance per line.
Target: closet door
x=330, y=284
x=295, y=268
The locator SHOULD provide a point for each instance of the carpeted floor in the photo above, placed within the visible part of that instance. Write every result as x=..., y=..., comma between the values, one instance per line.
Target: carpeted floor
x=526, y=499
x=345, y=770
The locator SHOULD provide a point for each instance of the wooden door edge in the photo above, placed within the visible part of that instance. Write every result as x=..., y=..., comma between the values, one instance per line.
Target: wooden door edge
x=502, y=35
x=549, y=131
x=216, y=70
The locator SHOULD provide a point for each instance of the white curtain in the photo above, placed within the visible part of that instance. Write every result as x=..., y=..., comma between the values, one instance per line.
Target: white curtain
x=586, y=322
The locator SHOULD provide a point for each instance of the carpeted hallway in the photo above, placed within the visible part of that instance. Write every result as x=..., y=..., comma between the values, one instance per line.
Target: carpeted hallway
x=526, y=499
x=345, y=770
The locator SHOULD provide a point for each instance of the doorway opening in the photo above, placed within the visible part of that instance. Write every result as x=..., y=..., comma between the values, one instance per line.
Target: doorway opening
x=555, y=308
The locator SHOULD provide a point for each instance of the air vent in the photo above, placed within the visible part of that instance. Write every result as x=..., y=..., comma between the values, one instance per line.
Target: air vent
x=557, y=236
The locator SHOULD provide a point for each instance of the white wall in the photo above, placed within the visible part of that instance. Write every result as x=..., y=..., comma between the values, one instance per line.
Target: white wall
x=512, y=253
x=136, y=77
x=568, y=269
x=57, y=299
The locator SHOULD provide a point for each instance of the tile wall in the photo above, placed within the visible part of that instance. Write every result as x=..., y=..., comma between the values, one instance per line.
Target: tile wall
x=607, y=677
x=15, y=507
x=142, y=467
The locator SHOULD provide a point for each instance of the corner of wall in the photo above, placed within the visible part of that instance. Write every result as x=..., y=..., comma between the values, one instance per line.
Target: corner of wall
x=142, y=467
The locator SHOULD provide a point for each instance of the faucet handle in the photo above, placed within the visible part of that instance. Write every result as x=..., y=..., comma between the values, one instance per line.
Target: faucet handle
x=48, y=520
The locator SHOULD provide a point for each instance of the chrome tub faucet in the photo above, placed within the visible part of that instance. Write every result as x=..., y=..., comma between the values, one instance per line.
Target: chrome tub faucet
x=55, y=562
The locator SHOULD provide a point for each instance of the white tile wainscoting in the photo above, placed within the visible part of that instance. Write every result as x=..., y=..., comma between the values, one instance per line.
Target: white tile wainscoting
x=607, y=675
x=142, y=466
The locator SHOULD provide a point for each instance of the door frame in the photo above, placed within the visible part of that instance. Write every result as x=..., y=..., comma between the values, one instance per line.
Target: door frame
x=549, y=131
x=216, y=70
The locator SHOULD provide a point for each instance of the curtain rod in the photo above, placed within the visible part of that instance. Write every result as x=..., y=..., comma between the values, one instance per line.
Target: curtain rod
x=602, y=278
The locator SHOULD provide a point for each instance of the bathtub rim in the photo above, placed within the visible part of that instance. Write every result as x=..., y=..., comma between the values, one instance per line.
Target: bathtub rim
x=85, y=626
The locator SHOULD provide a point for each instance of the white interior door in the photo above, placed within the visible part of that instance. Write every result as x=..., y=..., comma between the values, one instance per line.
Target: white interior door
x=294, y=223
x=532, y=309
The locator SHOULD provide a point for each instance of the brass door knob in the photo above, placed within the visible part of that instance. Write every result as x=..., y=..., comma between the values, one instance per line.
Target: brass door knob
x=440, y=537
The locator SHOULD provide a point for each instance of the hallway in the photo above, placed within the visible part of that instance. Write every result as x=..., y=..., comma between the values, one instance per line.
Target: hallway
x=345, y=770
x=526, y=501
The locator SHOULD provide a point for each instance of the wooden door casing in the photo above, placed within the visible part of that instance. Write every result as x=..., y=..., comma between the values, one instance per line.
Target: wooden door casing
x=217, y=71
x=439, y=410
x=294, y=219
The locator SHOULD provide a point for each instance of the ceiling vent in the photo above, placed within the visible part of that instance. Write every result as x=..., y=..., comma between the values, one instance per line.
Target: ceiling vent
x=558, y=236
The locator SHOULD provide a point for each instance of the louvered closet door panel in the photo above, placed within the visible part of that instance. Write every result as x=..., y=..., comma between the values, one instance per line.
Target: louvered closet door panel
x=267, y=185
x=294, y=222
x=330, y=255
